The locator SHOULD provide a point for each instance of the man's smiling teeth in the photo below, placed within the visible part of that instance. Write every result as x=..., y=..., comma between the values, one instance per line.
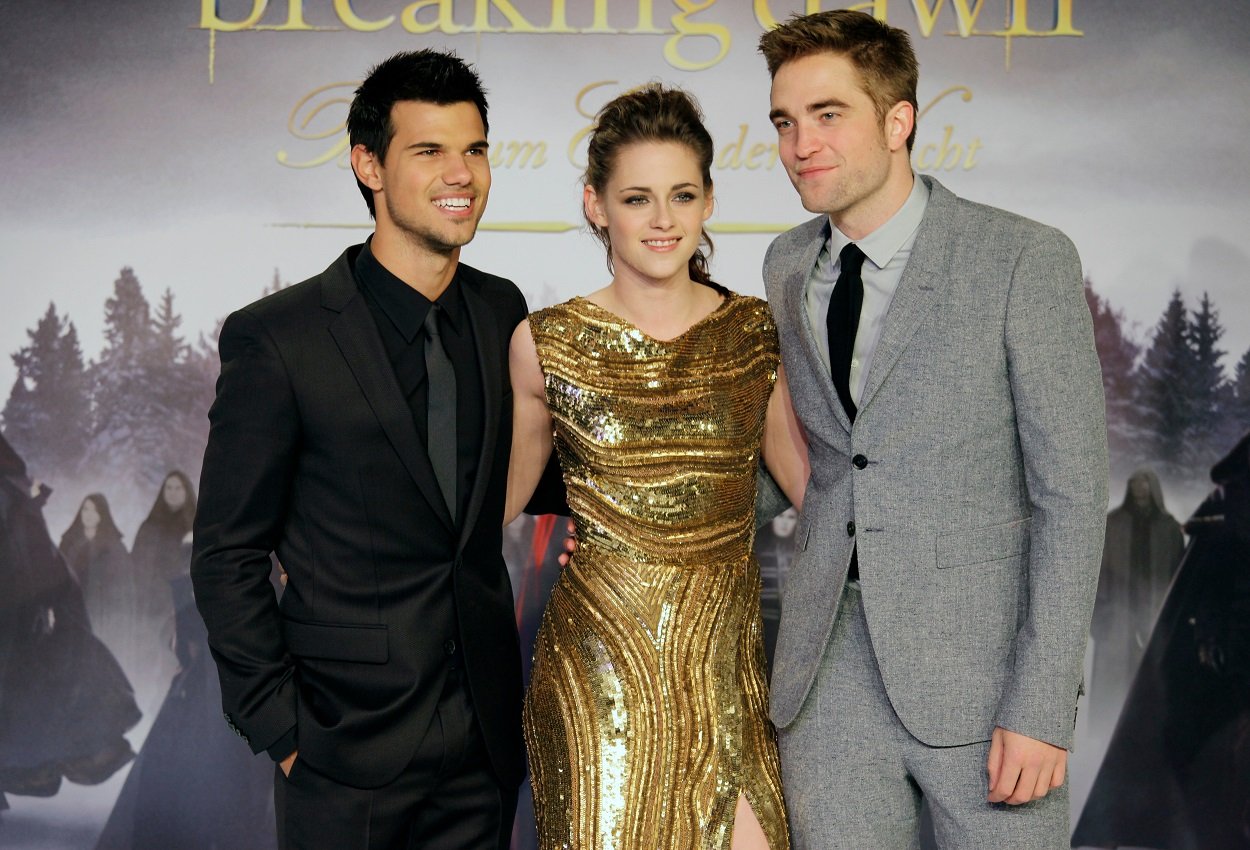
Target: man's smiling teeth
x=659, y=243
x=453, y=203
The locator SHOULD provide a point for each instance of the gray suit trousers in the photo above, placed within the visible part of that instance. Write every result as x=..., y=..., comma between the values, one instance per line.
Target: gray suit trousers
x=854, y=776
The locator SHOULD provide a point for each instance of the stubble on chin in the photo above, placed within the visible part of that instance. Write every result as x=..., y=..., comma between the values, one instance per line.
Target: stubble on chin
x=431, y=244
x=815, y=202
x=425, y=240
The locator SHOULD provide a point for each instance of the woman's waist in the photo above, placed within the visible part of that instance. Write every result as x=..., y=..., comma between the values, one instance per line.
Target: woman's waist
x=598, y=548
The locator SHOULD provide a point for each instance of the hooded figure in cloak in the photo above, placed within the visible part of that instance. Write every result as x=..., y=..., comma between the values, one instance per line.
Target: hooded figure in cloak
x=1177, y=769
x=1143, y=548
x=64, y=701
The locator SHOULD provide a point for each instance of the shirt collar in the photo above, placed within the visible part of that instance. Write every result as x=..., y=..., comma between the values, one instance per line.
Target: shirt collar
x=405, y=307
x=882, y=244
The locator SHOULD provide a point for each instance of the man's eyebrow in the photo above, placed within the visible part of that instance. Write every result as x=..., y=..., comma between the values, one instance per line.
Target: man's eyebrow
x=825, y=104
x=774, y=114
x=480, y=143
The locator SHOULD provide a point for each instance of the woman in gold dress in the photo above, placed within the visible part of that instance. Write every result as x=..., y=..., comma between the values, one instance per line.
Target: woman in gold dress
x=646, y=716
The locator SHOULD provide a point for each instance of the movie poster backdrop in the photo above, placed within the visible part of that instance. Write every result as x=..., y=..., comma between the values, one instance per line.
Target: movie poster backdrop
x=169, y=162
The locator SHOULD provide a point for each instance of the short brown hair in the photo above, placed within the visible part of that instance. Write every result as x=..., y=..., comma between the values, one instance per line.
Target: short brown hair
x=881, y=53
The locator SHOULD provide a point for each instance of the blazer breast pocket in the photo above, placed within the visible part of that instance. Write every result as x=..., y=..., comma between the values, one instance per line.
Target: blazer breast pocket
x=983, y=545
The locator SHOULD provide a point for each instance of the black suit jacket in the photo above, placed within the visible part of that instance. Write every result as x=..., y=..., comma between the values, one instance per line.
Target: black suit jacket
x=313, y=454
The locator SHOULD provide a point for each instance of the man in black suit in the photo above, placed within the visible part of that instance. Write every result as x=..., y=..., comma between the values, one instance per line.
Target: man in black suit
x=361, y=431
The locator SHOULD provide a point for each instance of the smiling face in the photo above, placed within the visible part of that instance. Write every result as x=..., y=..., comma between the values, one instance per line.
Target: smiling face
x=653, y=208
x=844, y=160
x=430, y=189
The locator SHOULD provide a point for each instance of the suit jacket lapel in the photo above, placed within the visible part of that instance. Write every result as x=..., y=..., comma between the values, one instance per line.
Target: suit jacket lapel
x=486, y=335
x=919, y=290
x=357, y=337
x=796, y=303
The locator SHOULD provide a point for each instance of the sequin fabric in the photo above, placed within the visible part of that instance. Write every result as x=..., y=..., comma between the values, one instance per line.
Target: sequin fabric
x=646, y=714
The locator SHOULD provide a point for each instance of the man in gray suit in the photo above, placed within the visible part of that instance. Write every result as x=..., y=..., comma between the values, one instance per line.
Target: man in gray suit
x=941, y=359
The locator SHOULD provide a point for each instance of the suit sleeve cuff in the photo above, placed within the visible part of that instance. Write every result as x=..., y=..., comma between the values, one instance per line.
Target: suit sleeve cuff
x=284, y=746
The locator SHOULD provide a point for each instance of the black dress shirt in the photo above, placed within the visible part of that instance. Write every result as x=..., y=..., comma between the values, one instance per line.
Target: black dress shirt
x=399, y=312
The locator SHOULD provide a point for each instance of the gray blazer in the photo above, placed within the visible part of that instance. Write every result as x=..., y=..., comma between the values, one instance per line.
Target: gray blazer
x=980, y=504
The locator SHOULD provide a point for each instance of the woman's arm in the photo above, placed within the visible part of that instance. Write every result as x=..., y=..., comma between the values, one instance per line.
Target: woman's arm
x=531, y=422
x=785, y=443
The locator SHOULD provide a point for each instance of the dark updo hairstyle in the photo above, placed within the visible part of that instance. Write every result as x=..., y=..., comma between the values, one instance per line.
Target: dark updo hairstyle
x=651, y=113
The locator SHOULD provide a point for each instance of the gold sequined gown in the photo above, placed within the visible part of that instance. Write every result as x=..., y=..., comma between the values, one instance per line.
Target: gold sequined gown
x=646, y=714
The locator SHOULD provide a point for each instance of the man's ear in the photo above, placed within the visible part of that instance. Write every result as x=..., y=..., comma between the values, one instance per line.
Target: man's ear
x=898, y=124
x=368, y=167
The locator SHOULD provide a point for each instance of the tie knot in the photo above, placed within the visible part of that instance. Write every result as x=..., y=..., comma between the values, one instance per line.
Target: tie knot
x=431, y=321
x=851, y=258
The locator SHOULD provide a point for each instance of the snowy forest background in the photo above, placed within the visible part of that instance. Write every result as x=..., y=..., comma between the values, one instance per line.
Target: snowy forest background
x=119, y=421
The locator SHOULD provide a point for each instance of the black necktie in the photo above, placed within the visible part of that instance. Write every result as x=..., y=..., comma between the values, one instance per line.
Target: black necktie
x=441, y=410
x=842, y=321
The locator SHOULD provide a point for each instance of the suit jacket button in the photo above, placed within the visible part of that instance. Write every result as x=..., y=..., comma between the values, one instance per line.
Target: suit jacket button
x=859, y=461
x=449, y=647
x=850, y=529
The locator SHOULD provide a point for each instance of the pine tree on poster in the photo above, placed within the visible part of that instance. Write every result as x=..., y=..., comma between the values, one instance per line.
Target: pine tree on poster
x=1118, y=354
x=26, y=420
x=48, y=414
x=205, y=364
x=19, y=418
x=1240, y=414
x=275, y=285
x=1210, y=432
x=176, y=388
x=1164, y=400
x=168, y=346
x=128, y=439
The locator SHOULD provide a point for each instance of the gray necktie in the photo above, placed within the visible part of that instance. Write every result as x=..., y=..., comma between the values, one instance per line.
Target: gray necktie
x=440, y=410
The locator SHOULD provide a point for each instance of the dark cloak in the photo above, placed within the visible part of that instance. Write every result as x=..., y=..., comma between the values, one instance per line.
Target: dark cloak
x=195, y=784
x=64, y=701
x=1177, y=770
